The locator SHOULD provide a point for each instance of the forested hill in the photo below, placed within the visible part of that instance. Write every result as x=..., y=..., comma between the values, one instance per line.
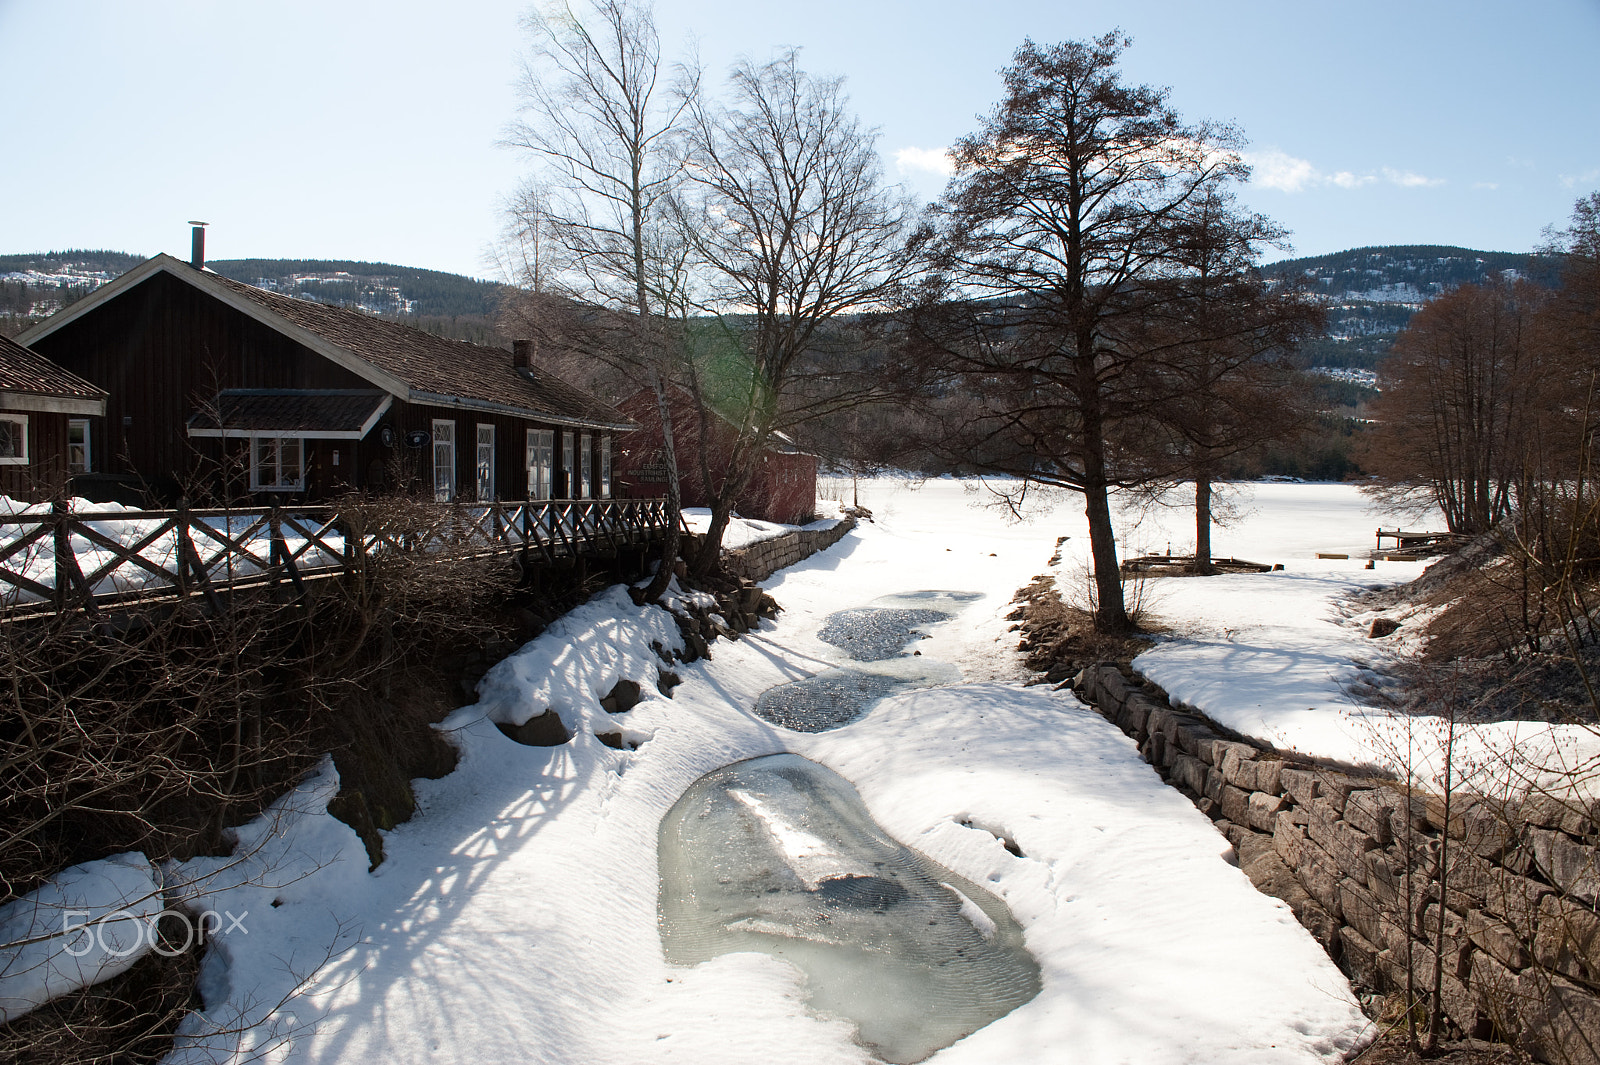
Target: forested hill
x=1372, y=293
x=34, y=286
x=1402, y=273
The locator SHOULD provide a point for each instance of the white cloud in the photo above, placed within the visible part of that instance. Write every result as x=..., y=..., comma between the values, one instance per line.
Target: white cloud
x=1587, y=178
x=1490, y=185
x=1407, y=180
x=924, y=161
x=1274, y=168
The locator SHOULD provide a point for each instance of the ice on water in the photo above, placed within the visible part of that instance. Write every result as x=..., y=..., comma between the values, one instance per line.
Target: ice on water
x=875, y=635
x=838, y=696
x=779, y=855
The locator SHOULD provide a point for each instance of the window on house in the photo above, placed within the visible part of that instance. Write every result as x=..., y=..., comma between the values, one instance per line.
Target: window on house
x=485, y=466
x=605, y=467
x=78, y=446
x=13, y=439
x=444, y=461
x=586, y=466
x=541, y=462
x=567, y=445
x=277, y=464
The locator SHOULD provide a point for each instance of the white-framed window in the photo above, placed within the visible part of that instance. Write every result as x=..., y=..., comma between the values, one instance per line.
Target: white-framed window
x=78, y=457
x=541, y=462
x=444, y=460
x=567, y=467
x=13, y=439
x=277, y=464
x=605, y=466
x=485, y=464
x=585, y=466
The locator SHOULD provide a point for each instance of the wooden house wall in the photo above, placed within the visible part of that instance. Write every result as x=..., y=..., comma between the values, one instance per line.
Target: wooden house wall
x=162, y=349
x=46, y=469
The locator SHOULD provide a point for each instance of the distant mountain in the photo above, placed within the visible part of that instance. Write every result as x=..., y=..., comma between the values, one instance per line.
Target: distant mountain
x=32, y=287
x=1371, y=293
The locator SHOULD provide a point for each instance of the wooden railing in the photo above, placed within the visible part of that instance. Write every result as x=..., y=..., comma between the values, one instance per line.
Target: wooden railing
x=62, y=559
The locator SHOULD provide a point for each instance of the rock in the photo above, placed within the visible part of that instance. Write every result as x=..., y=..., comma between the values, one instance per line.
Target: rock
x=1190, y=772
x=1369, y=811
x=1382, y=627
x=666, y=681
x=1361, y=911
x=1238, y=765
x=542, y=730
x=624, y=696
x=1235, y=804
x=1300, y=784
x=1568, y=940
x=1360, y=957
x=1499, y=940
x=1562, y=1022
x=1566, y=863
x=1264, y=808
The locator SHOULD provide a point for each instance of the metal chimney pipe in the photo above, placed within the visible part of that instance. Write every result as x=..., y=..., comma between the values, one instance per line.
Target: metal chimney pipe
x=197, y=244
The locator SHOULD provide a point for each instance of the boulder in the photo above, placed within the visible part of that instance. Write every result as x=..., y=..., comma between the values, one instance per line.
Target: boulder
x=624, y=696
x=541, y=730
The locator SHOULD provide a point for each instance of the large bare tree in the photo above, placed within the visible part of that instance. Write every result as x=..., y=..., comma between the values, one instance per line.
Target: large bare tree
x=795, y=237
x=1059, y=231
x=599, y=117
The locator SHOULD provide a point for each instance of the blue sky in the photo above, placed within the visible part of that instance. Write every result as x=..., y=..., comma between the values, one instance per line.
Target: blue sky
x=367, y=130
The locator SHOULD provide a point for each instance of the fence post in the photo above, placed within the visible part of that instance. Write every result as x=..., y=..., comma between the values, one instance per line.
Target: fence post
x=63, y=549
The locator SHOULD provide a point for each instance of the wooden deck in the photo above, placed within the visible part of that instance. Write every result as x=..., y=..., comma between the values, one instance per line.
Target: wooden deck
x=62, y=560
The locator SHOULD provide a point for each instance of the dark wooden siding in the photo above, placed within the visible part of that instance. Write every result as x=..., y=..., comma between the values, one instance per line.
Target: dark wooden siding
x=162, y=349
x=46, y=469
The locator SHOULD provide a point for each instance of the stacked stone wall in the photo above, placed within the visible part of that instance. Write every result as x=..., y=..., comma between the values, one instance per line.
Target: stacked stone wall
x=762, y=559
x=1358, y=862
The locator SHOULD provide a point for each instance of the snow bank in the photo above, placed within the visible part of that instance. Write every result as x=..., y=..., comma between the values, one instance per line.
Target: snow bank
x=88, y=923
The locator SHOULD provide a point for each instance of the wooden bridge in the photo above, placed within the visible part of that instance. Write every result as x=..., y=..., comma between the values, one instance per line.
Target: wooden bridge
x=60, y=559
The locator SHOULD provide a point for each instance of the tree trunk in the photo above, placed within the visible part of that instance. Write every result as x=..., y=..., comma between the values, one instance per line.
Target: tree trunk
x=669, y=449
x=1111, y=614
x=1202, y=527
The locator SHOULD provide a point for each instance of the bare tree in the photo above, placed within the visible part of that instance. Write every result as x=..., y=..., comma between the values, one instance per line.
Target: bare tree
x=1463, y=392
x=796, y=237
x=1054, y=237
x=1216, y=352
x=599, y=119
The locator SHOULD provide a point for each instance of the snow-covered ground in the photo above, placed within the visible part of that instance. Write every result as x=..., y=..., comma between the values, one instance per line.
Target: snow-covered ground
x=515, y=917
x=1279, y=656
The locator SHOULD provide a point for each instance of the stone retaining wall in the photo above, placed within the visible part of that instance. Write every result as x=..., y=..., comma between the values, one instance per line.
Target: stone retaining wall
x=762, y=559
x=1358, y=864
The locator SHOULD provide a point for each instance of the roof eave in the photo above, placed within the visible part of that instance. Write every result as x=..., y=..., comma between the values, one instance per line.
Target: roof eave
x=52, y=404
x=199, y=279
x=440, y=400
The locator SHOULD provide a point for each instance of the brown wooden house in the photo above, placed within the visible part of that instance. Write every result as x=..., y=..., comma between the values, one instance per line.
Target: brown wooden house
x=46, y=416
x=217, y=389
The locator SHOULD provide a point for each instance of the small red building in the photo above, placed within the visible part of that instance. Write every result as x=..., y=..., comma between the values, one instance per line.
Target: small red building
x=45, y=413
x=784, y=488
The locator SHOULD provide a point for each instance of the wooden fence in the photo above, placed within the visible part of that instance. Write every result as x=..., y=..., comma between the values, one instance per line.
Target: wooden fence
x=61, y=559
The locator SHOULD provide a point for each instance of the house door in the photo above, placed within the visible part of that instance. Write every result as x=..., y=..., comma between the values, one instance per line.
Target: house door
x=444, y=461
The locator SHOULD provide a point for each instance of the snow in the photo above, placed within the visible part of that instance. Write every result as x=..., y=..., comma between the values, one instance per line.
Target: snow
x=88, y=923
x=1277, y=657
x=515, y=916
